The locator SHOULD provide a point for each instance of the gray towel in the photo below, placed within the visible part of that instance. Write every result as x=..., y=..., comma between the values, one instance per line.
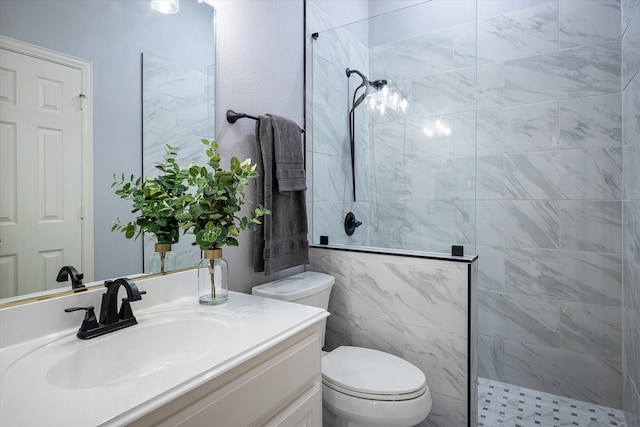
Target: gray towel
x=281, y=240
x=289, y=158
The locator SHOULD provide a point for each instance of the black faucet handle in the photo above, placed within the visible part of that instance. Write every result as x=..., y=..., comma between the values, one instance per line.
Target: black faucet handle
x=89, y=322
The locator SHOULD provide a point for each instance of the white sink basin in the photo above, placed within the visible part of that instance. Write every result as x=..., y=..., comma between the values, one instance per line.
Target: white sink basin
x=158, y=342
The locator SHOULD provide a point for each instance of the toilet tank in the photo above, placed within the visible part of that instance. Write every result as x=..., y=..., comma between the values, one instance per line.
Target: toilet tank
x=308, y=288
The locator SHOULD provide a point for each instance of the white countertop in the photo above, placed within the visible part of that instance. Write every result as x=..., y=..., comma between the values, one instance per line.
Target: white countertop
x=27, y=398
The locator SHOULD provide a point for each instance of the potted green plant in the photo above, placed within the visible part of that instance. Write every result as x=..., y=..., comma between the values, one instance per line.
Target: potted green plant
x=156, y=201
x=212, y=214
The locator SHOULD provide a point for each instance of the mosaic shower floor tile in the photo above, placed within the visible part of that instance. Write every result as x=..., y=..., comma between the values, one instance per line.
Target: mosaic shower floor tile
x=507, y=405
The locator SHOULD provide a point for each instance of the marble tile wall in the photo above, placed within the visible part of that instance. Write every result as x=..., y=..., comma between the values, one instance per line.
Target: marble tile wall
x=549, y=196
x=331, y=195
x=415, y=308
x=177, y=109
x=631, y=209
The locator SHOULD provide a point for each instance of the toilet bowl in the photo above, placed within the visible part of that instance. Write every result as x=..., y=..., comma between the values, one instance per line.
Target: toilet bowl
x=360, y=387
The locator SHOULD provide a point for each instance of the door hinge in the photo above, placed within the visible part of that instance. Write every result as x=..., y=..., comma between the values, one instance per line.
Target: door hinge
x=82, y=97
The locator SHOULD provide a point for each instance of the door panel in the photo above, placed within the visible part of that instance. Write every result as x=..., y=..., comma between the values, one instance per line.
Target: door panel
x=41, y=178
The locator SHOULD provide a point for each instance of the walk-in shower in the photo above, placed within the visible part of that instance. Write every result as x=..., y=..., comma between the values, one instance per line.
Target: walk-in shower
x=512, y=146
x=369, y=87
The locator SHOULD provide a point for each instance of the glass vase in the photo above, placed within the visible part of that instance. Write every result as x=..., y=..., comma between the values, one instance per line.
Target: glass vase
x=213, y=278
x=163, y=259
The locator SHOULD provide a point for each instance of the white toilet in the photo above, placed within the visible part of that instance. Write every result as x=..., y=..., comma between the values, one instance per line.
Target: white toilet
x=360, y=387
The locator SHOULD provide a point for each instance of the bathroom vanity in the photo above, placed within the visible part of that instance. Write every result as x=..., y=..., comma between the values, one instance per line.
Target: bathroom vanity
x=252, y=361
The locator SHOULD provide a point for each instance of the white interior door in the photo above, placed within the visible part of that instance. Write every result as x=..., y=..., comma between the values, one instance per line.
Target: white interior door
x=41, y=172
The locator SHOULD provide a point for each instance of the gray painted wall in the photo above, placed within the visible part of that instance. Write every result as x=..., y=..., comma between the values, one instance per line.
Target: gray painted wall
x=259, y=69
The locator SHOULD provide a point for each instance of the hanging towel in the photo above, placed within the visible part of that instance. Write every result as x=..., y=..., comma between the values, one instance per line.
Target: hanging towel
x=281, y=240
x=289, y=158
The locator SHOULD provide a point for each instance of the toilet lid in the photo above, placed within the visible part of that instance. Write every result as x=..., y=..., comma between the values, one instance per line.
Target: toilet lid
x=363, y=372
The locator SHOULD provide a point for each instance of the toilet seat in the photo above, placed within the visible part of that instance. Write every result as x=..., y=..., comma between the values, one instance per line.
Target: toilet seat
x=371, y=374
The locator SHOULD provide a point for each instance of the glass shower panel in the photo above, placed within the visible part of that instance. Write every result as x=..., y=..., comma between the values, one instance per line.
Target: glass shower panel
x=414, y=139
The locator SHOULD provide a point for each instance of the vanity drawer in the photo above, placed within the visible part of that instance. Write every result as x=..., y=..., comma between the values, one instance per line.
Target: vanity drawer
x=257, y=390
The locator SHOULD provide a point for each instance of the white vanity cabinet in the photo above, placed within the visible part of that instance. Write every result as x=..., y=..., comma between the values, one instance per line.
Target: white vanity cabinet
x=280, y=386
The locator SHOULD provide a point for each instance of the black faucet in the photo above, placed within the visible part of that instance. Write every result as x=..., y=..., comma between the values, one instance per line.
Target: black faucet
x=109, y=310
x=110, y=318
x=69, y=271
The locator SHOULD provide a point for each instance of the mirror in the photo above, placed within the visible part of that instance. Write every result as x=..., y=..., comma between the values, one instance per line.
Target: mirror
x=112, y=35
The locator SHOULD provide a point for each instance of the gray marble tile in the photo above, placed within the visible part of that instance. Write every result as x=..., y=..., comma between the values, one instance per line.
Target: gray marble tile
x=441, y=356
x=373, y=289
x=193, y=117
x=338, y=330
x=490, y=357
x=464, y=42
x=493, y=130
x=446, y=412
x=337, y=265
x=568, y=174
x=588, y=22
x=518, y=33
x=392, y=223
x=594, y=226
x=174, y=79
x=630, y=110
x=490, y=218
x=464, y=134
x=631, y=51
x=631, y=160
x=490, y=177
x=426, y=296
x=378, y=334
x=490, y=87
x=571, y=73
x=631, y=402
x=591, y=122
x=631, y=291
x=329, y=84
x=444, y=93
x=579, y=376
x=532, y=223
x=489, y=8
x=418, y=56
x=491, y=268
x=398, y=141
x=631, y=348
x=442, y=179
x=518, y=317
x=332, y=178
x=439, y=221
x=330, y=131
x=392, y=180
x=159, y=110
x=587, y=277
x=631, y=230
x=518, y=129
x=628, y=9
x=591, y=329
x=421, y=142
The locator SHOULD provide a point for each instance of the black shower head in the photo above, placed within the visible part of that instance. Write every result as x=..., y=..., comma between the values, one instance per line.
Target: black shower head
x=369, y=87
x=378, y=84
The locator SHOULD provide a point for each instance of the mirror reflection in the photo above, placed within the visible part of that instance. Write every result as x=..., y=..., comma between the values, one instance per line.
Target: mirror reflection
x=110, y=36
